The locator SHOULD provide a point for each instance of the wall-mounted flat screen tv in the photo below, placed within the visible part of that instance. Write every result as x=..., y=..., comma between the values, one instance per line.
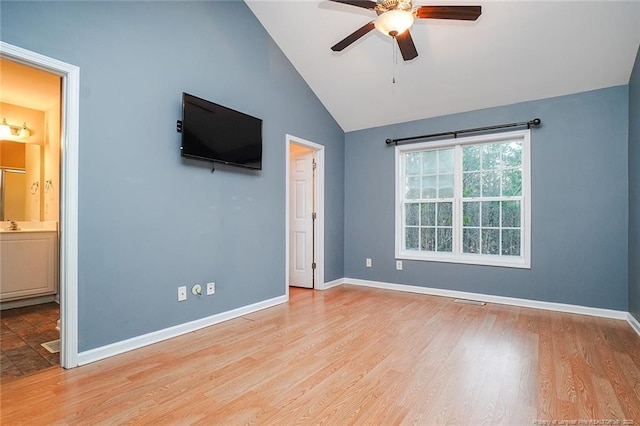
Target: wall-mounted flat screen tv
x=219, y=134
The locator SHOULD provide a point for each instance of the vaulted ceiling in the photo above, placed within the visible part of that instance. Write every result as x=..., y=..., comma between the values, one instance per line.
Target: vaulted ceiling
x=516, y=51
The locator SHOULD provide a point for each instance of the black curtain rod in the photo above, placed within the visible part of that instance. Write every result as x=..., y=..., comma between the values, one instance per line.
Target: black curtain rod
x=535, y=122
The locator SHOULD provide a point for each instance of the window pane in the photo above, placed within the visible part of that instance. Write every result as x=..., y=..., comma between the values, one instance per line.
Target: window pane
x=511, y=242
x=411, y=238
x=445, y=186
x=470, y=240
x=412, y=189
x=511, y=183
x=490, y=241
x=445, y=161
x=428, y=214
x=428, y=239
x=511, y=214
x=471, y=158
x=429, y=186
x=491, y=184
x=430, y=162
x=413, y=160
x=444, y=239
x=445, y=214
x=490, y=156
x=471, y=185
x=471, y=214
x=411, y=214
x=491, y=214
x=512, y=154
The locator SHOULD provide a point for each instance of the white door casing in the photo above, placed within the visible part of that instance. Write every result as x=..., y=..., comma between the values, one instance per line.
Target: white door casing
x=68, y=191
x=301, y=221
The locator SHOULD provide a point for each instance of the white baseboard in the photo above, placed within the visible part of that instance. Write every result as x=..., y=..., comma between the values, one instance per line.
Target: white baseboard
x=123, y=346
x=633, y=322
x=333, y=283
x=525, y=303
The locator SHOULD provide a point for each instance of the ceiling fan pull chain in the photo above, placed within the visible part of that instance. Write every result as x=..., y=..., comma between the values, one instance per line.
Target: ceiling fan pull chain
x=394, y=60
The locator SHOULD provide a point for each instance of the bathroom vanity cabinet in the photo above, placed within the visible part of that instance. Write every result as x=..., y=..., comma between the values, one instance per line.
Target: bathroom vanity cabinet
x=28, y=264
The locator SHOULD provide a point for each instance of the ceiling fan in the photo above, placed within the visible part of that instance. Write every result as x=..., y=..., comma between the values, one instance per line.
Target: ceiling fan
x=395, y=17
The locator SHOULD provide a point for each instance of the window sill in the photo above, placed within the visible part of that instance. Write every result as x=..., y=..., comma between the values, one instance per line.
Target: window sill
x=483, y=260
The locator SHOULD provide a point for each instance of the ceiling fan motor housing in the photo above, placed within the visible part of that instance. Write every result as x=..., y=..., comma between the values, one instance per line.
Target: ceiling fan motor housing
x=387, y=5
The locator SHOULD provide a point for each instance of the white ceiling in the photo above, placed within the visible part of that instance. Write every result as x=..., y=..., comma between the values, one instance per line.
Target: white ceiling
x=516, y=51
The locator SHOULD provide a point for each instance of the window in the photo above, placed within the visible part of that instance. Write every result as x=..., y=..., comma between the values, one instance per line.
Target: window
x=465, y=200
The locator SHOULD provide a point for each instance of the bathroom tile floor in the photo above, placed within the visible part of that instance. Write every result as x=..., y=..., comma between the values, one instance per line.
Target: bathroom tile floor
x=22, y=330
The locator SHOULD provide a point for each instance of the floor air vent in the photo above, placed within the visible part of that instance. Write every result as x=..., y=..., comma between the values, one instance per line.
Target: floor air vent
x=470, y=302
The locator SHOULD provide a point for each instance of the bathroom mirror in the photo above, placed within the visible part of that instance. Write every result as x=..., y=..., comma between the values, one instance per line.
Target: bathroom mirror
x=20, y=181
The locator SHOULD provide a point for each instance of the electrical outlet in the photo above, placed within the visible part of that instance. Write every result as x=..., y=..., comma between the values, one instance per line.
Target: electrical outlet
x=182, y=293
x=368, y=260
x=399, y=265
x=211, y=288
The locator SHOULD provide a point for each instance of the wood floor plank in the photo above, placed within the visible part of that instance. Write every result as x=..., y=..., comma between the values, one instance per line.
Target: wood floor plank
x=354, y=355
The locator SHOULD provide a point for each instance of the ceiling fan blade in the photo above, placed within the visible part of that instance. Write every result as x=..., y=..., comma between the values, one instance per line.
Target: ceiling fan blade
x=353, y=37
x=406, y=45
x=367, y=4
x=462, y=13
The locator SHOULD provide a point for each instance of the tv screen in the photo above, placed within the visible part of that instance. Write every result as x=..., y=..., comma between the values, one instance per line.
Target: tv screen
x=216, y=133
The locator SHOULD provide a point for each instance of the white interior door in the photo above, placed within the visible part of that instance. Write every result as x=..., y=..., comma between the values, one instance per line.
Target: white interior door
x=301, y=218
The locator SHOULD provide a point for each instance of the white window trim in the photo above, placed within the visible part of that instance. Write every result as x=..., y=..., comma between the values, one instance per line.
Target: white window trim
x=523, y=261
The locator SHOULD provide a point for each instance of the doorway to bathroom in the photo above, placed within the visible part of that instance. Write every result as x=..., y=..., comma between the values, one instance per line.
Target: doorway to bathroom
x=30, y=136
x=66, y=186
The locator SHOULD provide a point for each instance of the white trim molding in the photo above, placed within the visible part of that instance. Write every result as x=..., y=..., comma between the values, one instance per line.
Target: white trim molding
x=69, y=191
x=513, y=301
x=137, y=342
x=633, y=322
x=331, y=284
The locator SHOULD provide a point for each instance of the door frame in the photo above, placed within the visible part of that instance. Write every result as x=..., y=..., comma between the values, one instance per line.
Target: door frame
x=318, y=190
x=70, y=124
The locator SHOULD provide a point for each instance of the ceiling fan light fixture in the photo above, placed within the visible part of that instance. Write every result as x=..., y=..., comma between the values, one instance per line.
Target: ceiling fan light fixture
x=394, y=22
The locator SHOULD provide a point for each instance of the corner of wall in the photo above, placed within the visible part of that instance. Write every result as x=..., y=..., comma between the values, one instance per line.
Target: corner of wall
x=634, y=191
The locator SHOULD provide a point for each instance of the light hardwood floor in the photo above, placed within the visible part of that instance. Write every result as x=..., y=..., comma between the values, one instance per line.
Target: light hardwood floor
x=354, y=355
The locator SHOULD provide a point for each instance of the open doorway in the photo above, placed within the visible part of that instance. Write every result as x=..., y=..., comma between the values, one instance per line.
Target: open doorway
x=30, y=114
x=304, y=214
x=67, y=191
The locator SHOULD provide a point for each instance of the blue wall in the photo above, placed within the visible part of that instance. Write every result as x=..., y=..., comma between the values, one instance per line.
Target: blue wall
x=150, y=222
x=634, y=190
x=579, y=198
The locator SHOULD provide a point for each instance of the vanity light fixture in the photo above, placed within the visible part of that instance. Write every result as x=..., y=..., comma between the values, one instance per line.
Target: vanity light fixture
x=5, y=129
x=14, y=132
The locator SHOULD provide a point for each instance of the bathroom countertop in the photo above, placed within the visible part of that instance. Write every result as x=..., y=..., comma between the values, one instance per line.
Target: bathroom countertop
x=26, y=226
x=22, y=230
